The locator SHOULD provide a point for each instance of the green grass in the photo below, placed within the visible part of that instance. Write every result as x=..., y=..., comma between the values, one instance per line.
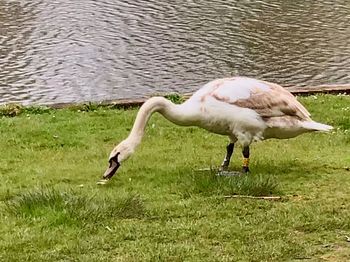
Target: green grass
x=68, y=208
x=166, y=203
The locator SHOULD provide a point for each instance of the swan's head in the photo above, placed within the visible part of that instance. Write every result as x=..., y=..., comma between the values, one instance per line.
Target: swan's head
x=119, y=154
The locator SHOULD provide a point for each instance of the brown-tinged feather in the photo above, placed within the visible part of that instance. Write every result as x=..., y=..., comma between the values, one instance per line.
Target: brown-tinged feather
x=271, y=103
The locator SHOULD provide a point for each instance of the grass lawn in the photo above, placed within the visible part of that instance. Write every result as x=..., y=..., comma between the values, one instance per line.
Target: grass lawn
x=161, y=206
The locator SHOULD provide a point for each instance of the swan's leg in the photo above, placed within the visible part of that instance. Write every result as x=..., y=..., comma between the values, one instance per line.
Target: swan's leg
x=229, y=151
x=245, y=166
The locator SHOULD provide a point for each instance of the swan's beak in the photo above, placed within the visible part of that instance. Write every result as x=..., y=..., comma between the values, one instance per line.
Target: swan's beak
x=113, y=167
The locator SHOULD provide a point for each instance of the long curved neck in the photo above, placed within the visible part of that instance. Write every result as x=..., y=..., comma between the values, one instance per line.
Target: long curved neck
x=174, y=113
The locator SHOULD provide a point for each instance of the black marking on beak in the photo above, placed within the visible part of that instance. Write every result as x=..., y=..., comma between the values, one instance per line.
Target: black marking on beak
x=113, y=167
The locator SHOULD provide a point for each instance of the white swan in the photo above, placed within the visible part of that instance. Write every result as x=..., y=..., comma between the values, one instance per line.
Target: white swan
x=244, y=109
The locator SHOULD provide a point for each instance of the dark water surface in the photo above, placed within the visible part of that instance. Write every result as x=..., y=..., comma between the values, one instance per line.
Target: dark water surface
x=67, y=51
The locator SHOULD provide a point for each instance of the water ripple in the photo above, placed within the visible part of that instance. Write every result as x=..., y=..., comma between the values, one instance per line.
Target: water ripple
x=69, y=51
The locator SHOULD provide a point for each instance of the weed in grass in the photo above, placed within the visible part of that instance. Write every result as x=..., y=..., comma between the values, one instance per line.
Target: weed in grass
x=12, y=110
x=86, y=107
x=37, y=110
x=175, y=98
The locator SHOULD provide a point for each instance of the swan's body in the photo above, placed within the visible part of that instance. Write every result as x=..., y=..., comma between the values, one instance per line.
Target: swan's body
x=243, y=109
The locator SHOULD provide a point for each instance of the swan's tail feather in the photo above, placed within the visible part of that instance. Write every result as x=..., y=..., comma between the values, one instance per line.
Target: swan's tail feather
x=311, y=125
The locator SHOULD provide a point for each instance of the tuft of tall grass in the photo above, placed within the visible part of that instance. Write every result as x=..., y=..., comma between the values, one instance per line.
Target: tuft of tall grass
x=67, y=207
x=209, y=183
x=253, y=185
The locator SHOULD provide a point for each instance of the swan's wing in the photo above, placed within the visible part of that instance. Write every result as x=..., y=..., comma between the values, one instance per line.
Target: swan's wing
x=275, y=102
x=267, y=99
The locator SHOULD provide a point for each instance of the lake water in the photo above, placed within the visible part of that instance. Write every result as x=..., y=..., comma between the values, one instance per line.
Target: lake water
x=54, y=51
